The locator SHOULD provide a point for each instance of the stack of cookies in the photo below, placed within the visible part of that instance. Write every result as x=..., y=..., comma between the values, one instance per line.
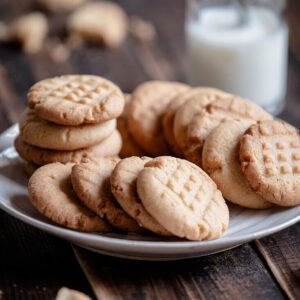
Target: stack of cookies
x=165, y=195
x=70, y=118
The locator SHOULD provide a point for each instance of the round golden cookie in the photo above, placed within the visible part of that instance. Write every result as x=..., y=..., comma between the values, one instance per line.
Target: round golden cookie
x=220, y=160
x=149, y=101
x=76, y=99
x=183, y=199
x=123, y=186
x=204, y=122
x=44, y=134
x=270, y=160
x=188, y=110
x=169, y=114
x=129, y=146
x=103, y=22
x=108, y=147
x=51, y=193
x=91, y=182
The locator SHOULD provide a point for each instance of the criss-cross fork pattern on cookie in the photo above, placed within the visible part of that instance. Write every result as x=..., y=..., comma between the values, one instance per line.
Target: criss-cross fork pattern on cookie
x=82, y=91
x=184, y=199
x=281, y=157
x=190, y=188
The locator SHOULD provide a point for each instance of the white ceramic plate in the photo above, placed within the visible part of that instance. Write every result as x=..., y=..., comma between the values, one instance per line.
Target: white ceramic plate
x=245, y=224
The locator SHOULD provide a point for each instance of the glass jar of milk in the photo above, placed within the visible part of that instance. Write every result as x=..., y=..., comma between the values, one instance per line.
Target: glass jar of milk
x=239, y=46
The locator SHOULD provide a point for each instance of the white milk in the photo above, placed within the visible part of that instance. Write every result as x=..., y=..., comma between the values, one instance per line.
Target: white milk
x=248, y=60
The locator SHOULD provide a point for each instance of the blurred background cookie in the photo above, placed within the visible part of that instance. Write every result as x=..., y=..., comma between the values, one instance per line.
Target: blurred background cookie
x=102, y=22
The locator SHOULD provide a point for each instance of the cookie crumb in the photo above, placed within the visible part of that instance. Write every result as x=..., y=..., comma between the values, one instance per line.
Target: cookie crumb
x=68, y=294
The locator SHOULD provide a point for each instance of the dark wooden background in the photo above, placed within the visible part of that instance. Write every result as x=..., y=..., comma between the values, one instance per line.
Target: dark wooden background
x=34, y=265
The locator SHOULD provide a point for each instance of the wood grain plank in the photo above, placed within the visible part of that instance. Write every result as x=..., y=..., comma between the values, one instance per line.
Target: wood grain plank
x=154, y=63
x=282, y=254
x=34, y=265
x=234, y=274
x=167, y=52
x=119, y=65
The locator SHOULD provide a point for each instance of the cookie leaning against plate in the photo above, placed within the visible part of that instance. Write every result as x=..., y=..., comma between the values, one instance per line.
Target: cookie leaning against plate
x=169, y=114
x=51, y=193
x=220, y=160
x=109, y=147
x=183, y=199
x=270, y=159
x=91, y=182
x=204, y=122
x=44, y=134
x=76, y=99
x=148, y=103
x=123, y=186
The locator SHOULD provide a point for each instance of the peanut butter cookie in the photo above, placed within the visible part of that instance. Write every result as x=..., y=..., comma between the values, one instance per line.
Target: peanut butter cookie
x=188, y=110
x=270, y=159
x=221, y=161
x=183, y=199
x=108, y=147
x=204, y=122
x=76, y=99
x=91, y=182
x=123, y=186
x=51, y=193
x=149, y=102
x=44, y=134
x=174, y=105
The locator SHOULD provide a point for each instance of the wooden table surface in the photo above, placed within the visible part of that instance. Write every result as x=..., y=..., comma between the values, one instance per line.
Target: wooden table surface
x=34, y=265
